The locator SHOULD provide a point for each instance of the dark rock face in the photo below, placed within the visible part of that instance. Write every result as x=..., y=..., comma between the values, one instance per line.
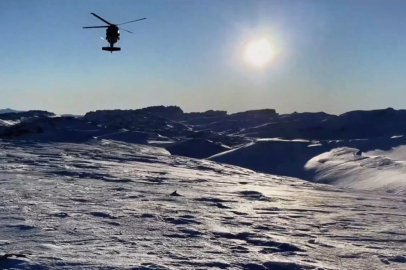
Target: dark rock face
x=156, y=120
x=209, y=113
x=34, y=125
x=256, y=113
x=20, y=130
x=169, y=112
x=322, y=126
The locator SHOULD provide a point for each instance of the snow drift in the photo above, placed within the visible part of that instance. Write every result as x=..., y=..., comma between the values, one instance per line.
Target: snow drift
x=347, y=168
x=347, y=164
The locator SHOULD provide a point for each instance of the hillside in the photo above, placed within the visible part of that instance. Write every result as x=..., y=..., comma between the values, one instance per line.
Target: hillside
x=260, y=140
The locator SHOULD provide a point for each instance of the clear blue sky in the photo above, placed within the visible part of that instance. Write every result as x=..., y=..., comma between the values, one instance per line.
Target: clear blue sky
x=333, y=56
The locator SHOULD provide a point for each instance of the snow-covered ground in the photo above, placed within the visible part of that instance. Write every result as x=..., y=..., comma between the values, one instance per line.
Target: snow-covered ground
x=7, y=123
x=108, y=205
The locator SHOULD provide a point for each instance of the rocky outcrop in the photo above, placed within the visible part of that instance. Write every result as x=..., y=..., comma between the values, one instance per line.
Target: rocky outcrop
x=169, y=112
x=256, y=113
x=209, y=113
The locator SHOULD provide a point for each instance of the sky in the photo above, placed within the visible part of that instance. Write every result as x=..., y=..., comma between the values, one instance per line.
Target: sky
x=333, y=56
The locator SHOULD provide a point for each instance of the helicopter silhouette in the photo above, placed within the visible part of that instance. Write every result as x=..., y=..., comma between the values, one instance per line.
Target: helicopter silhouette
x=112, y=32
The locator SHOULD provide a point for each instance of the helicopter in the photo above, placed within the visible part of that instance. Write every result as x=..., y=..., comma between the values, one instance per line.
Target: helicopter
x=112, y=32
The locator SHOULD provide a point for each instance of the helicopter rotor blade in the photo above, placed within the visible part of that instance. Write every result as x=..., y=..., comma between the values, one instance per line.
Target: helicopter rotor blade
x=104, y=26
x=101, y=18
x=132, y=21
x=126, y=30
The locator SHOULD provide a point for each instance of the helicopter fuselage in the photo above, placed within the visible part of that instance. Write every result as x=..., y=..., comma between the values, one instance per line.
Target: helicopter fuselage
x=112, y=32
x=112, y=35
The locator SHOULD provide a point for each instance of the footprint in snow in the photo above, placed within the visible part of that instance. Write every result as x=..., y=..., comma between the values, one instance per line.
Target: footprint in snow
x=103, y=215
x=221, y=206
x=181, y=220
x=274, y=266
x=61, y=215
x=190, y=232
x=213, y=200
x=146, y=215
x=254, y=195
x=22, y=227
x=239, y=249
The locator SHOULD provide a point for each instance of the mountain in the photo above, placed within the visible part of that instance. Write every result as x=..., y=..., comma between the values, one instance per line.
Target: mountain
x=7, y=111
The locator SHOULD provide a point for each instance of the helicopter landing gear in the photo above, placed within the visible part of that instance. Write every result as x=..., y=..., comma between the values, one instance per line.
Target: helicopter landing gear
x=111, y=49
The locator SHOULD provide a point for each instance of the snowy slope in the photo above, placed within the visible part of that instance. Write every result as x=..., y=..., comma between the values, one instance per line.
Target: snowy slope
x=326, y=162
x=274, y=156
x=107, y=205
x=196, y=148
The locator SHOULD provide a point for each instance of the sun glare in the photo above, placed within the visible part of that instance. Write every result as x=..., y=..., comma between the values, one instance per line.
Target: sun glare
x=259, y=52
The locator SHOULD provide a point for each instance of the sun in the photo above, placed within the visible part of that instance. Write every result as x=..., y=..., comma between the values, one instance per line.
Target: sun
x=259, y=53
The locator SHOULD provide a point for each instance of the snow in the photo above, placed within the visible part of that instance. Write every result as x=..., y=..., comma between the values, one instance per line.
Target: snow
x=197, y=135
x=157, y=188
x=343, y=167
x=8, y=123
x=381, y=167
x=197, y=148
x=126, y=136
x=105, y=204
x=273, y=156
